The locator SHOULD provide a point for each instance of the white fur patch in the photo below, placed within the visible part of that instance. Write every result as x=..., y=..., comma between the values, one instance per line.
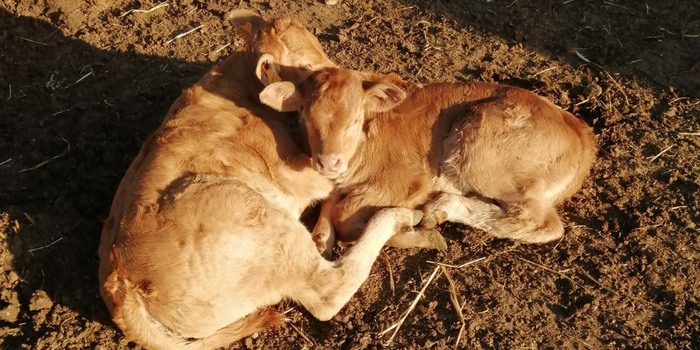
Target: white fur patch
x=557, y=187
x=517, y=117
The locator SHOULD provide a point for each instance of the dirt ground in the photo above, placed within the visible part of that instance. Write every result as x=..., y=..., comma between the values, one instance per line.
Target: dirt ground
x=82, y=83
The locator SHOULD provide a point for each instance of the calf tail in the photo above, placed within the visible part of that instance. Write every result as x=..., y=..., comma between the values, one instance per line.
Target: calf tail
x=132, y=317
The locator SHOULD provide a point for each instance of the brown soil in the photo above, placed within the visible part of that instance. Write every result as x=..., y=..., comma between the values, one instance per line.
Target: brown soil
x=82, y=85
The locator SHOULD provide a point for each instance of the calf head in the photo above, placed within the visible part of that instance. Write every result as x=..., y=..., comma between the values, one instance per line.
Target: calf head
x=290, y=51
x=334, y=103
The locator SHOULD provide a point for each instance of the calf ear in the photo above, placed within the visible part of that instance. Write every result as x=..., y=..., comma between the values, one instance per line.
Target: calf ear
x=381, y=97
x=266, y=70
x=247, y=22
x=282, y=96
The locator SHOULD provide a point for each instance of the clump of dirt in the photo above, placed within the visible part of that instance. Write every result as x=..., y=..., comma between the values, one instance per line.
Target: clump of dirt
x=83, y=84
x=9, y=302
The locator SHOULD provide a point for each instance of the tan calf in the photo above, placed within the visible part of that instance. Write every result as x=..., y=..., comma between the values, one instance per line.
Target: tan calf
x=203, y=234
x=495, y=157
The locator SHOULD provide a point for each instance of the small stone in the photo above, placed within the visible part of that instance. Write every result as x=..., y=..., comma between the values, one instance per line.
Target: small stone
x=74, y=21
x=12, y=277
x=40, y=301
x=330, y=2
x=594, y=90
x=249, y=343
x=671, y=112
x=410, y=47
x=11, y=311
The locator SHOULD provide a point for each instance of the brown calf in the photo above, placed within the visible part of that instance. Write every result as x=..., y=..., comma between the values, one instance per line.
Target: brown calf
x=495, y=157
x=203, y=234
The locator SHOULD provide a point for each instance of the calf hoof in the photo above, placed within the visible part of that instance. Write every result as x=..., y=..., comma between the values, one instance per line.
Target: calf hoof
x=433, y=220
x=324, y=245
x=417, y=217
x=437, y=240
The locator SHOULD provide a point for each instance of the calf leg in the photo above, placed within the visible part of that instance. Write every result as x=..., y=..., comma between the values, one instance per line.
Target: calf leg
x=529, y=221
x=352, y=213
x=331, y=284
x=323, y=233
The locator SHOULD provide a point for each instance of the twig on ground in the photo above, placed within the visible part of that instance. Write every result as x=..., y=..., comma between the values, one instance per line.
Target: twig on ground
x=581, y=56
x=30, y=219
x=582, y=102
x=678, y=99
x=454, y=298
x=33, y=41
x=83, y=77
x=667, y=31
x=301, y=333
x=542, y=71
x=614, y=4
x=385, y=258
x=627, y=100
x=158, y=6
x=645, y=227
x=6, y=161
x=559, y=242
x=185, y=33
x=396, y=326
x=457, y=266
x=689, y=133
x=221, y=48
x=46, y=246
x=661, y=153
x=50, y=159
x=560, y=273
x=617, y=85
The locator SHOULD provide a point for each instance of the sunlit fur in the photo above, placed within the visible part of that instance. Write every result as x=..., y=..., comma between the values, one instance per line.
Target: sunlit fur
x=203, y=234
x=492, y=156
x=333, y=122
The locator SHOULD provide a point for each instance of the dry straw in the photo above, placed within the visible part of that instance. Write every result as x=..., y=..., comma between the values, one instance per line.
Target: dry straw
x=440, y=267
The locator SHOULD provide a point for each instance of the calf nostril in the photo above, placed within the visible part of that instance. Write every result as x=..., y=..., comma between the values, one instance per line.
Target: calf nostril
x=319, y=161
x=337, y=163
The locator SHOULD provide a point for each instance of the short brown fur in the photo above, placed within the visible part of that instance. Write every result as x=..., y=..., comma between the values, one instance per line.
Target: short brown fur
x=203, y=234
x=492, y=156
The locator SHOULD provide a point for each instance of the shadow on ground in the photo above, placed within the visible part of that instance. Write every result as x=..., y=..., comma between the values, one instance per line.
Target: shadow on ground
x=73, y=116
x=654, y=42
